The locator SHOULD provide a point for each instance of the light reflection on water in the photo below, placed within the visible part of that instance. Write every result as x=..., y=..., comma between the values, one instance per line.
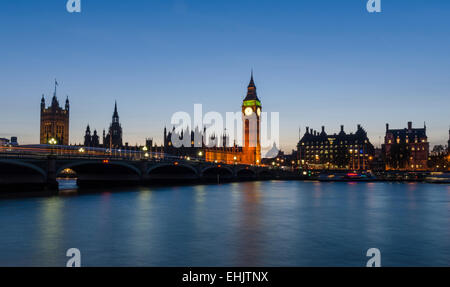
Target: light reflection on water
x=240, y=224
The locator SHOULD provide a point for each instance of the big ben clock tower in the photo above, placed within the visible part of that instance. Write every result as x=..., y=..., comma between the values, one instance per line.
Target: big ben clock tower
x=251, y=116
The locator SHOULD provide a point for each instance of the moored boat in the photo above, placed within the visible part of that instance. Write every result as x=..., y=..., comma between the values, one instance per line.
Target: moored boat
x=347, y=176
x=438, y=177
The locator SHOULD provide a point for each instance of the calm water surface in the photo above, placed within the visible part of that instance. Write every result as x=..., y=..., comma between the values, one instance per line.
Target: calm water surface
x=277, y=223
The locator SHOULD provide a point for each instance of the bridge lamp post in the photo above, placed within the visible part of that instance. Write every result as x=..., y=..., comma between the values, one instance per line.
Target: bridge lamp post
x=145, y=149
x=52, y=142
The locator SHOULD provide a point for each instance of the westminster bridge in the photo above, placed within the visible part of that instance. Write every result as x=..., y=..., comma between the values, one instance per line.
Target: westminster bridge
x=39, y=168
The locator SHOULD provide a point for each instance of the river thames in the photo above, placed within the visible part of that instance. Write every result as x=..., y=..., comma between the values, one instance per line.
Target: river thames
x=274, y=223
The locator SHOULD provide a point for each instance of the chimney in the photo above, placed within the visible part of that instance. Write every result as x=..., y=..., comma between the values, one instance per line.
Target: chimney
x=342, y=128
x=409, y=125
x=323, y=129
x=307, y=130
x=387, y=127
x=359, y=127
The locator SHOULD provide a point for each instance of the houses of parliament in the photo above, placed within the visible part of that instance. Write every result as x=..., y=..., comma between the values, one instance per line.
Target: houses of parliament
x=111, y=140
x=55, y=126
x=54, y=121
x=249, y=153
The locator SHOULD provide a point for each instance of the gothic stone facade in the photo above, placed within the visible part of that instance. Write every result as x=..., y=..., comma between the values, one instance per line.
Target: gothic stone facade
x=224, y=152
x=54, y=122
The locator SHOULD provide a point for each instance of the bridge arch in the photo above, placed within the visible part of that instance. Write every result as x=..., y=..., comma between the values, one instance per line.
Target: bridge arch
x=74, y=165
x=221, y=170
x=171, y=167
x=27, y=165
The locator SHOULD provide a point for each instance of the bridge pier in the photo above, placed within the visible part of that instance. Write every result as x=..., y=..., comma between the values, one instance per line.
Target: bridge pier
x=143, y=167
x=51, y=182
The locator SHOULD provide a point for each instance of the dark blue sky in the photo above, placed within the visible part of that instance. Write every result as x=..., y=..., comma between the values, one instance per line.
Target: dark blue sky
x=325, y=62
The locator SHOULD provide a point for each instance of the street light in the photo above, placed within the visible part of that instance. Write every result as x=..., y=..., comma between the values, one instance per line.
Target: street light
x=145, y=149
x=52, y=142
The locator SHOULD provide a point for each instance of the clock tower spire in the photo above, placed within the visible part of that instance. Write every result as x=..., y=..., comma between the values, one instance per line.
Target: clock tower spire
x=251, y=117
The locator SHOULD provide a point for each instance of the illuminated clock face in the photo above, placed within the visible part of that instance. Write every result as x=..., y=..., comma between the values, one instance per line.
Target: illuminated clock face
x=248, y=111
x=258, y=111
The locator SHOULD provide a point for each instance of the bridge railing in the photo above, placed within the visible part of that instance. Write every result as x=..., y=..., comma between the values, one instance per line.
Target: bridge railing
x=79, y=152
x=76, y=152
